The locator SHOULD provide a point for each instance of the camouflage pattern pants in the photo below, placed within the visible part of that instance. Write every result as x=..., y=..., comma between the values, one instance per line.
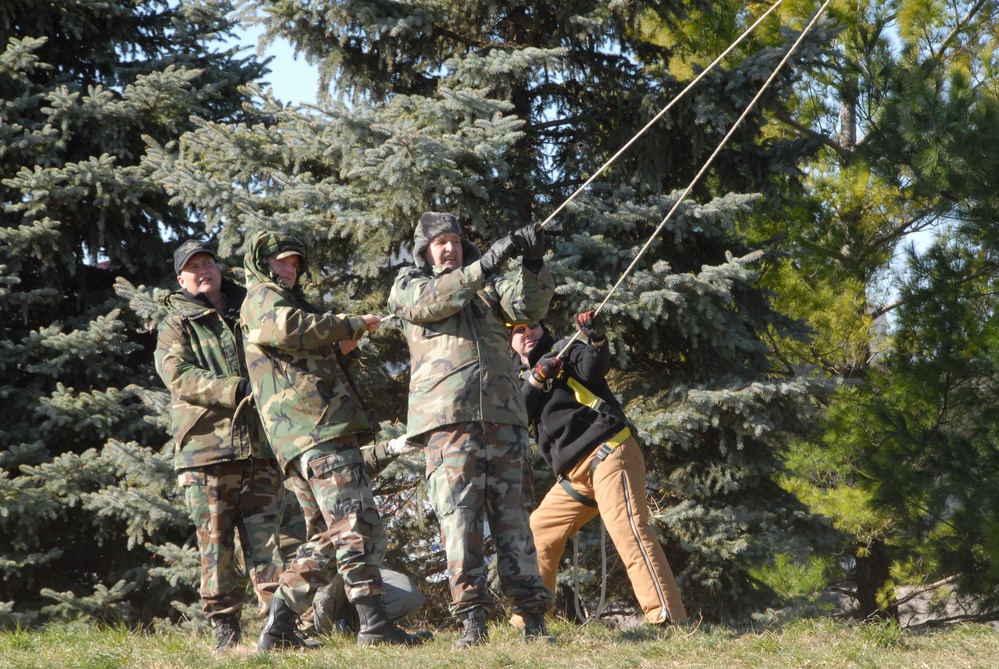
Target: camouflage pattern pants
x=333, y=479
x=227, y=500
x=475, y=473
x=302, y=519
x=618, y=490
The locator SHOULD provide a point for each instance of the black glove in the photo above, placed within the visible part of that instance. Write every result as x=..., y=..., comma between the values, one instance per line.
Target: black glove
x=502, y=250
x=242, y=390
x=547, y=368
x=591, y=325
x=530, y=241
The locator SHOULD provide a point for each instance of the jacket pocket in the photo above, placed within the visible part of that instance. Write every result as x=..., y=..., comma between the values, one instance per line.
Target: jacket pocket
x=184, y=417
x=429, y=331
x=435, y=457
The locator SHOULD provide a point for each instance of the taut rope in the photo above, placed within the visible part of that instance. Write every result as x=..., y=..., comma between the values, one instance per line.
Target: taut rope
x=707, y=164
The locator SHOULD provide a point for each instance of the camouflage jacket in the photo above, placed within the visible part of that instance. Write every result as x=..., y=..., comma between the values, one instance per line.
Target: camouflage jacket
x=200, y=359
x=461, y=368
x=297, y=373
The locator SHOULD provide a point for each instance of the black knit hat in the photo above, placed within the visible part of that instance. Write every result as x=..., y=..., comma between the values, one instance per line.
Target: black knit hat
x=191, y=247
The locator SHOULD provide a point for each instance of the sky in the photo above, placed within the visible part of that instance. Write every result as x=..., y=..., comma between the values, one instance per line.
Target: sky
x=291, y=80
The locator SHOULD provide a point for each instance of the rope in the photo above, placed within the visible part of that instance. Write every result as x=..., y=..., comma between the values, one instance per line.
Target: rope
x=575, y=580
x=662, y=113
x=245, y=402
x=704, y=168
x=603, y=571
x=603, y=577
x=683, y=195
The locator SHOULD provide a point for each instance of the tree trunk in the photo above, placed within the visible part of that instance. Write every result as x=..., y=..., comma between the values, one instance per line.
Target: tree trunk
x=873, y=579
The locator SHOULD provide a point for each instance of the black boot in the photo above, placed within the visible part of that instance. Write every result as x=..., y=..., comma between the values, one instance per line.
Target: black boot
x=281, y=629
x=475, y=633
x=535, y=630
x=227, y=632
x=377, y=628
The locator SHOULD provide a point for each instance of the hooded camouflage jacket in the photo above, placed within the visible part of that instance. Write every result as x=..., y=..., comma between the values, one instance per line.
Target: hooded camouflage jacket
x=461, y=369
x=199, y=357
x=298, y=376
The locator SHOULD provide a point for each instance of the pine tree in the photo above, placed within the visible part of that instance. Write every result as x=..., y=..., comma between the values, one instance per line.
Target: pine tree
x=925, y=425
x=905, y=114
x=85, y=489
x=497, y=113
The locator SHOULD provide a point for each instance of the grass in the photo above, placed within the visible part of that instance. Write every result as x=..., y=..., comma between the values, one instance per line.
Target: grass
x=813, y=644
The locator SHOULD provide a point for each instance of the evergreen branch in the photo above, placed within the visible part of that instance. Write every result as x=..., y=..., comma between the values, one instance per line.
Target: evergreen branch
x=844, y=153
x=958, y=27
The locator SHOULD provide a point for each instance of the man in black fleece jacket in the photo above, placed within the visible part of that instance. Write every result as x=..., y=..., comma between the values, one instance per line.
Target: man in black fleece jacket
x=583, y=434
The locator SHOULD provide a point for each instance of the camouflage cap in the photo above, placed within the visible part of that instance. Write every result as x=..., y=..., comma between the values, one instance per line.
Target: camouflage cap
x=285, y=246
x=190, y=248
x=265, y=245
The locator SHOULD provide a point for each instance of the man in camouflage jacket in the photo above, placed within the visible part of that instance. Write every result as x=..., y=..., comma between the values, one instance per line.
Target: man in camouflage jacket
x=298, y=359
x=230, y=478
x=466, y=408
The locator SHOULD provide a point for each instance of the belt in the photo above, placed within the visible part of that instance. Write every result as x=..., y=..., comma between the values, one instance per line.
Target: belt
x=605, y=449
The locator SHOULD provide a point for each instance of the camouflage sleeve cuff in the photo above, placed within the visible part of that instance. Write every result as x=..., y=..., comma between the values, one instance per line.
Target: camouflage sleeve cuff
x=231, y=391
x=357, y=324
x=475, y=274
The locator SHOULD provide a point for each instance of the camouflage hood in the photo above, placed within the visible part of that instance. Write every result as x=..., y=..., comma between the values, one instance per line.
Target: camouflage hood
x=297, y=373
x=432, y=224
x=264, y=244
x=184, y=303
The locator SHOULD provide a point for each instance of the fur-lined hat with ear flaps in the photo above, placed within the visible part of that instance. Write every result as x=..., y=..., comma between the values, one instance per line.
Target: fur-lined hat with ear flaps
x=433, y=223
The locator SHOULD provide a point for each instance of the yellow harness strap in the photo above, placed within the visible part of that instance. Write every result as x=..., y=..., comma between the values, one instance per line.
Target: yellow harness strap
x=587, y=398
x=584, y=396
x=607, y=448
x=617, y=439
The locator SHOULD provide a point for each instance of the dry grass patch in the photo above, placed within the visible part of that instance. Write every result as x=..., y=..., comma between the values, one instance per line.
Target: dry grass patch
x=812, y=644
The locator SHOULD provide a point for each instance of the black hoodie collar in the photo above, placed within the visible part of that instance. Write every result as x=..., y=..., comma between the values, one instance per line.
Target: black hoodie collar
x=543, y=346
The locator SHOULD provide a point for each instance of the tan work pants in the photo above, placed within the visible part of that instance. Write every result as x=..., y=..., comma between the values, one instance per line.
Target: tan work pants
x=618, y=487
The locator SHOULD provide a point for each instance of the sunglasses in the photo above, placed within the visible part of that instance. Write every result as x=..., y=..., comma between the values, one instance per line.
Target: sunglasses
x=521, y=329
